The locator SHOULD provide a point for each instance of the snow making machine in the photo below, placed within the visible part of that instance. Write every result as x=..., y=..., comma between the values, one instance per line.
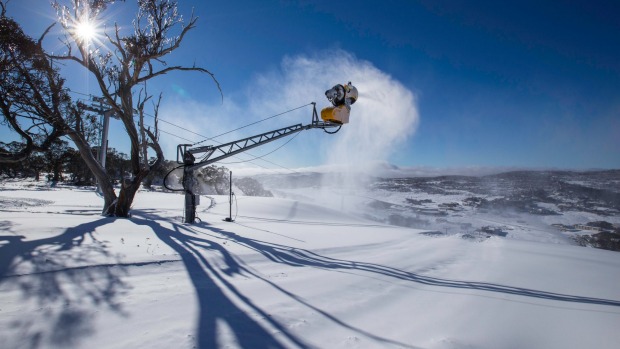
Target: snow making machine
x=332, y=119
x=341, y=97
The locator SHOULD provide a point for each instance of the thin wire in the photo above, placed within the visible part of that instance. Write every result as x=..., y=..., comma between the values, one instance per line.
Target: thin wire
x=259, y=158
x=152, y=116
x=198, y=134
x=166, y=132
x=273, y=163
x=203, y=136
x=259, y=165
x=79, y=93
x=262, y=156
x=172, y=134
x=253, y=123
x=267, y=168
x=181, y=127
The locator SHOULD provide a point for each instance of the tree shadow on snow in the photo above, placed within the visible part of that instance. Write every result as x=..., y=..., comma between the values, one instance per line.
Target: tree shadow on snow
x=58, y=273
x=300, y=257
x=209, y=264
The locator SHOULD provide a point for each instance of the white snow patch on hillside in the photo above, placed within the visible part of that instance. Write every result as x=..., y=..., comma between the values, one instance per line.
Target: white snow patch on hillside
x=286, y=274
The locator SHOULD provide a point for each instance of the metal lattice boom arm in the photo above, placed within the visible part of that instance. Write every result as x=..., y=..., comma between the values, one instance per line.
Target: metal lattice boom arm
x=213, y=153
x=210, y=154
x=187, y=155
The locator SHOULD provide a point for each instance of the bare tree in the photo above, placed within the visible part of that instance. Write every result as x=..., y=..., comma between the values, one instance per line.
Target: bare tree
x=33, y=101
x=124, y=64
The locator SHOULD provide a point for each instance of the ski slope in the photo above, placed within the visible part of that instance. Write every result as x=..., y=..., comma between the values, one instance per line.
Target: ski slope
x=285, y=274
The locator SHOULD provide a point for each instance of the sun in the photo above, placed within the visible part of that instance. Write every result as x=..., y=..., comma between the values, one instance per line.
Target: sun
x=85, y=30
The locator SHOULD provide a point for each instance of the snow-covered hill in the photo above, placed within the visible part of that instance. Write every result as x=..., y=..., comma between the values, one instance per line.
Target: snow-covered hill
x=554, y=206
x=286, y=274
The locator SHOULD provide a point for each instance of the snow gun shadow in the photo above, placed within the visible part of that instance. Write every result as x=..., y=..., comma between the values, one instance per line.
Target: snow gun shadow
x=216, y=295
x=209, y=264
x=45, y=271
x=300, y=257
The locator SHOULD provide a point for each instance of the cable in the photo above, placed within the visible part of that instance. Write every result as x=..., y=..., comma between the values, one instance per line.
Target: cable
x=260, y=158
x=212, y=138
x=253, y=123
x=256, y=157
x=166, y=132
x=241, y=160
x=79, y=93
x=168, y=174
x=271, y=152
x=181, y=127
x=198, y=134
x=172, y=134
x=237, y=157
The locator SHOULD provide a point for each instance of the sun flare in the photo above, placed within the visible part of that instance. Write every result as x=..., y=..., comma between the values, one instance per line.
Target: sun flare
x=85, y=30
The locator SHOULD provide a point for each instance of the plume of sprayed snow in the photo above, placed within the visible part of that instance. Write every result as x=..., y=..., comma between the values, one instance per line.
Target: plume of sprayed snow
x=384, y=115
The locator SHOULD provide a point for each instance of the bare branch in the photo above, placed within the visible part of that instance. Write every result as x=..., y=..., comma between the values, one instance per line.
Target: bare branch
x=117, y=42
x=154, y=144
x=177, y=42
x=119, y=66
x=156, y=122
x=45, y=33
x=180, y=68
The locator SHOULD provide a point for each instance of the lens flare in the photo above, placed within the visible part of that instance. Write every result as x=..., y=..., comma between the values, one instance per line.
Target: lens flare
x=85, y=30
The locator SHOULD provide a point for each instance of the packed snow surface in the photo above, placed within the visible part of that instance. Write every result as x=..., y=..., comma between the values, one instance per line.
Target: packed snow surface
x=285, y=274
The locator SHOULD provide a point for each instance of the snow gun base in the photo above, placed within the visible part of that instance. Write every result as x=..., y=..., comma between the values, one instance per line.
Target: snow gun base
x=338, y=115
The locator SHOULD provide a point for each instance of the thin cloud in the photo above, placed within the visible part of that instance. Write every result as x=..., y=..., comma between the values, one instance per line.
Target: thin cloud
x=382, y=119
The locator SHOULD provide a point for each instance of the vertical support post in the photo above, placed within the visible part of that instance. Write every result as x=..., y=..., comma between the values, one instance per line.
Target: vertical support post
x=104, y=137
x=315, y=116
x=230, y=198
x=190, y=198
x=103, y=148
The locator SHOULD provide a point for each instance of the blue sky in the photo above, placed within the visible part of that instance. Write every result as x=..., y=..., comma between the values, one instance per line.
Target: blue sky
x=532, y=84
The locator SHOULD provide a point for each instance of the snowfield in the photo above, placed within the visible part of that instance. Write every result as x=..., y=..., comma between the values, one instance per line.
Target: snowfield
x=285, y=274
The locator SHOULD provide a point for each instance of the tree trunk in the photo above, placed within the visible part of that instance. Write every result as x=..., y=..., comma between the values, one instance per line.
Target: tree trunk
x=129, y=188
x=105, y=182
x=125, y=198
x=56, y=171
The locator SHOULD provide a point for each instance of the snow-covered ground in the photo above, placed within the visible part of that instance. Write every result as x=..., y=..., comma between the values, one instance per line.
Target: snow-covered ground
x=285, y=274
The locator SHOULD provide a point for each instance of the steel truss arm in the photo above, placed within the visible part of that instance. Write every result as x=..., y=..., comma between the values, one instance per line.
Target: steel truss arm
x=211, y=153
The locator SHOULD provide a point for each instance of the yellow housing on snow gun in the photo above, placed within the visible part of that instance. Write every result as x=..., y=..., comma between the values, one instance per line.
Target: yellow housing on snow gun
x=338, y=115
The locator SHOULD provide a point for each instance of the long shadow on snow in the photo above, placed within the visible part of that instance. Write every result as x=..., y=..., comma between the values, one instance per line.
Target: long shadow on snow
x=64, y=292
x=213, y=302
x=300, y=257
x=210, y=284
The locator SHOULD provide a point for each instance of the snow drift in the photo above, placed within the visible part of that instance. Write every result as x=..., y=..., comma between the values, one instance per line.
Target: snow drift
x=285, y=275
